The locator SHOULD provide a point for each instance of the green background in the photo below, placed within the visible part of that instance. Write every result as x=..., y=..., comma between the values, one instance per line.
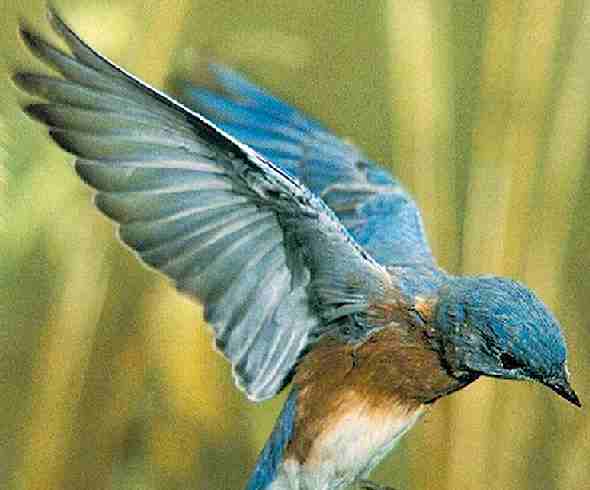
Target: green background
x=107, y=376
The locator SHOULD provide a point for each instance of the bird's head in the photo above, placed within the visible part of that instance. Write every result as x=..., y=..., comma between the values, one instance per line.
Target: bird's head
x=498, y=327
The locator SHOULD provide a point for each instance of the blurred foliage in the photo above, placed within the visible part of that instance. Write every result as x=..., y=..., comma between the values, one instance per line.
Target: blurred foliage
x=108, y=378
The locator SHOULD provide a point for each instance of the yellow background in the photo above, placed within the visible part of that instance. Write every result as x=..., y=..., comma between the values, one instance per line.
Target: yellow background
x=482, y=108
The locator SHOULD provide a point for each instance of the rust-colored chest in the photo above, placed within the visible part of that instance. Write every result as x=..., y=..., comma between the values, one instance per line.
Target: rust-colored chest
x=394, y=363
x=395, y=372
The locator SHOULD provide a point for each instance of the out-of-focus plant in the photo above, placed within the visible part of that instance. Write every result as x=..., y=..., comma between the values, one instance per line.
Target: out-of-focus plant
x=108, y=378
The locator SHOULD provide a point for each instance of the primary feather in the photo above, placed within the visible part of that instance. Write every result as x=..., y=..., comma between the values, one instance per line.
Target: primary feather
x=271, y=263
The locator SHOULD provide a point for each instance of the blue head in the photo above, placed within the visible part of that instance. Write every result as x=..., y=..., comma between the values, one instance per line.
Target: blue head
x=498, y=327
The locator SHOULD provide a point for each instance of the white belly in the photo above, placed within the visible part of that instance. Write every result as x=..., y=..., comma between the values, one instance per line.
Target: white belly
x=347, y=450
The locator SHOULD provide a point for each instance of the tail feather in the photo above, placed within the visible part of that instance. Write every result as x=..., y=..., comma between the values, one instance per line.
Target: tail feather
x=271, y=457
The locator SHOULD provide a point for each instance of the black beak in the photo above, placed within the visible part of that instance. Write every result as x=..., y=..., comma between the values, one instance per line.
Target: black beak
x=562, y=387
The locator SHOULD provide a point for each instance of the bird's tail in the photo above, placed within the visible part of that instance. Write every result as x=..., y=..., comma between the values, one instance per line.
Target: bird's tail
x=271, y=457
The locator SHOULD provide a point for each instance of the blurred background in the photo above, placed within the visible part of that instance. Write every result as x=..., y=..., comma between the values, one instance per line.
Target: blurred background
x=107, y=376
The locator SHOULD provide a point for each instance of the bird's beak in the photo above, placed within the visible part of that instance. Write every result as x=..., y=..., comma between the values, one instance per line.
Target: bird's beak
x=562, y=387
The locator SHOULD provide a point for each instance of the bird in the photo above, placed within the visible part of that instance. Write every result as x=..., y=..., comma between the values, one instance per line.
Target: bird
x=311, y=262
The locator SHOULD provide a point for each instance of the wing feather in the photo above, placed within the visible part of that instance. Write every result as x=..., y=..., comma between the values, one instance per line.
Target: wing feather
x=267, y=258
x=376, y=210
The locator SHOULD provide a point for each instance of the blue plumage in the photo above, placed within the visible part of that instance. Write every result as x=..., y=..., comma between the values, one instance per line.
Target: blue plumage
x=311, y=261
x=377, y=211
x=384, y=219
x=271, y=457
x=498, y=327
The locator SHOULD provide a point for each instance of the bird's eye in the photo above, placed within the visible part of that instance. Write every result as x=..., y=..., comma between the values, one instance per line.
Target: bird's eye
x=509, y=362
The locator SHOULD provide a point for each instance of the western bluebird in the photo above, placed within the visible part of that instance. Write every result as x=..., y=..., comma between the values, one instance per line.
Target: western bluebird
x=311, y=262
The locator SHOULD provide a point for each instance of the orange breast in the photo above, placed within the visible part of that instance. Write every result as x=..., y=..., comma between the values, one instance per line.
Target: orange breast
x=382, y=383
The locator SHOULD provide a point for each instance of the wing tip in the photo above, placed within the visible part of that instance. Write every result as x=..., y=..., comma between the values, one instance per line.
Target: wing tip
x=65, y=32
x=251, y=393
x=29, y=83
x=20, y=80
x=63, y=140
x=38, y=112
x=55, y=20
x=28, y=34
x=245, y=383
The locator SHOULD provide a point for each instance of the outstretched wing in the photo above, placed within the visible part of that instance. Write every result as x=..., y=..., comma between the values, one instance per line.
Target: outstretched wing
x=268, y=259
x=373, y=206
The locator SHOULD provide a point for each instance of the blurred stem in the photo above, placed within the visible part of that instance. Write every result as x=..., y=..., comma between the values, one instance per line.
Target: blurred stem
x=534, y=55
x=419, y=35
x=61, y=366
x=559, y=191
x=486, y=216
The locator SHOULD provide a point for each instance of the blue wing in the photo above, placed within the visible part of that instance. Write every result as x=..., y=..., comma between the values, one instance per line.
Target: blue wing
x=373, y=206
x=270, y=262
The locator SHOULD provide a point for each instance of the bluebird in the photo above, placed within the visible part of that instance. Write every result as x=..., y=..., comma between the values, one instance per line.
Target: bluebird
x=311, y=262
